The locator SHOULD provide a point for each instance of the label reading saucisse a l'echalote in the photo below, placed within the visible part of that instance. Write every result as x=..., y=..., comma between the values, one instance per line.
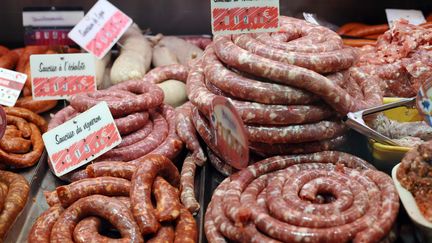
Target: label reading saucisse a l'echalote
x=100, y=28
x=11, y=84
x=229, y=133
x=81, y=139
x=244, y=16
x=59, y=76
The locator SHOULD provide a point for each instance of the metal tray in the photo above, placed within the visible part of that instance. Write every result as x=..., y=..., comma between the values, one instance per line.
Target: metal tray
x=44, y=180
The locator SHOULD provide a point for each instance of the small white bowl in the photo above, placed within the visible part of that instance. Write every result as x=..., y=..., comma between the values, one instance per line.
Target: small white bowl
x=412, y=209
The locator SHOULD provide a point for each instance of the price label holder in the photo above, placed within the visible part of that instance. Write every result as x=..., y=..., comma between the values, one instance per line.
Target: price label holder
x=100, y=29
x=50, y=25
x=415, y=17
x=59, y=76
x=229, y=133
x=11, y=84
x=424, y=101
x=3, y=122
x=244, y=16
x=81, y=139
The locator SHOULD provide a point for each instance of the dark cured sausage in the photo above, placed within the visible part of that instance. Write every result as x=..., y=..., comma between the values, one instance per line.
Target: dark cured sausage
x=142, y=180
x=16, y=199
x=41, y=229
x=29, y=116
x=105, y=207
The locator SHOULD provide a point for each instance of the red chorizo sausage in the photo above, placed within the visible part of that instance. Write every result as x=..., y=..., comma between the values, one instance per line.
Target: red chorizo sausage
x=167, y=200
x=186, y=229
x=164, y=235
x=142, y=208
x=16, y=199
x=105, y=207
x=41, y=229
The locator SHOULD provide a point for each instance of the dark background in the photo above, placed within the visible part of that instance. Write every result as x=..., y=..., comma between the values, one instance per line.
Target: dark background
x=185, y=17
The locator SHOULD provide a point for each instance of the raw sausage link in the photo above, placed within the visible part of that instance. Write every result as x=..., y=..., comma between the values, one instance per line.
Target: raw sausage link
x=87, y=230
x=187, y=184
x=296, y=133
x=108, y=186
x=163, y=73
x=136, y=136
x=16, y=199
x=131, y=122
x=148, y=96
x=322, y=62
x=186, y=229
x=143, y=147
x=187, y=133
x=142, y=180
x=41, y=229
x=164, y=235
x=167, y=200
x=20, y=123
x=105, y=207
x=172, y=145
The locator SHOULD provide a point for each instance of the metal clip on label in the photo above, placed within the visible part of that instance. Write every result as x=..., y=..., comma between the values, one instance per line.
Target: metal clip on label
x=355, y=120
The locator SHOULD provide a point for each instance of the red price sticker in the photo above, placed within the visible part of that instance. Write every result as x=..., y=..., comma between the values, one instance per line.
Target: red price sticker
x=235, y=17
x=100, y=28
x=60, y=76
x=11, y=84
x=229, y=132
x=3, y=122
x=424, y=101
x=81, y=139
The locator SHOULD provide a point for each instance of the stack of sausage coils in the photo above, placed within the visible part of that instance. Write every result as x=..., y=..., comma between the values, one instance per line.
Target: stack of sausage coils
x=144, y=122
x=290, y=87
x=321, y=197
x=119, y=193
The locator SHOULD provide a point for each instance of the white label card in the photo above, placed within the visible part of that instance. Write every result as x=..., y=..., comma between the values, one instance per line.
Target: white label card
x=100, y=28
x=59, y=76
x=11, y=84
x=81, y=139
x=415, y=17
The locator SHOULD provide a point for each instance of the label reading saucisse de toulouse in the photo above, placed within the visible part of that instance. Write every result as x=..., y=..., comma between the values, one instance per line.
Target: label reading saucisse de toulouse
x=59, y=76
x=229, y=133
x=100, y=28
x=415, y=17
x=244, y=16
x=81, y=139
x=11, y=84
